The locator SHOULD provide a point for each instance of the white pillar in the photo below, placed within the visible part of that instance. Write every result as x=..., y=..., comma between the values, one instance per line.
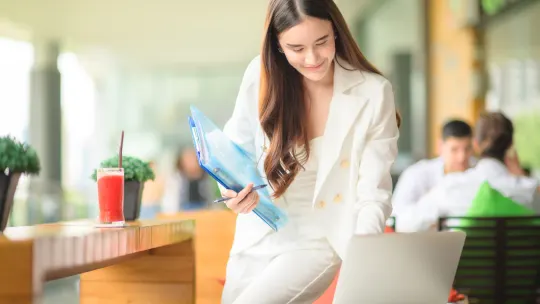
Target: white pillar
x=45, y=131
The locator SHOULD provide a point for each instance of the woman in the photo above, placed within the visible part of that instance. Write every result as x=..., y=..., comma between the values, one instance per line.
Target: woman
x=498, y=165
x=152, y=194
x=321, y=123
x=189, y=188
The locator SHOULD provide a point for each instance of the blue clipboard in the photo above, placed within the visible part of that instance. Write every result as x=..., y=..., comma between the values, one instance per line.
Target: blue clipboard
x=231, y=166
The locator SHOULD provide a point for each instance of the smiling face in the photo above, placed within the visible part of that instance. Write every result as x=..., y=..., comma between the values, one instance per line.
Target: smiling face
x=310, y=47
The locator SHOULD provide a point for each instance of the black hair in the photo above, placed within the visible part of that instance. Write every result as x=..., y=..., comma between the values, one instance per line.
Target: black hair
x=457, y=129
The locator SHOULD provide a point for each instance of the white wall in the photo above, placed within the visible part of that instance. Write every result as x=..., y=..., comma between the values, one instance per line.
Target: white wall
x=396, y=26
x=160, y=32
x=513, y=58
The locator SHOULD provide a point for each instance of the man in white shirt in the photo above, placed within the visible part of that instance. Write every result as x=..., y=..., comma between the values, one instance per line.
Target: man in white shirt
x=453, y=195
x=455, y=156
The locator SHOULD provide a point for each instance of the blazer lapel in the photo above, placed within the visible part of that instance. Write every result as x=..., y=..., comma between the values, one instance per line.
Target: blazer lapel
x=344, y=110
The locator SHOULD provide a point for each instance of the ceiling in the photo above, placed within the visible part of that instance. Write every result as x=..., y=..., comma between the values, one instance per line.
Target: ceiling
x=158, y=32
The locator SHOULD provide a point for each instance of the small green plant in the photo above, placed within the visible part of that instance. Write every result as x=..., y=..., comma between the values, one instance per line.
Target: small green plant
x=18, y=157
x=134, y=168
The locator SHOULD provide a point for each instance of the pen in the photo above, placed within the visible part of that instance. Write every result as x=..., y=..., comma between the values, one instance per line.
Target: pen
x=223, y=199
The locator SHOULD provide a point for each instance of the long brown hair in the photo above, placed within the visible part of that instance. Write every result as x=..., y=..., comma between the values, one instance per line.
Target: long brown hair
x=282, y=111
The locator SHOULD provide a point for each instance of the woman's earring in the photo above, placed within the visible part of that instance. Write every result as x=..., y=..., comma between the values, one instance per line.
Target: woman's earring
x=280, y=50
x=335, y=37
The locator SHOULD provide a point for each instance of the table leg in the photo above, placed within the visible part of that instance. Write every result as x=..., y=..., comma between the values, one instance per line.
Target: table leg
x=18, y=282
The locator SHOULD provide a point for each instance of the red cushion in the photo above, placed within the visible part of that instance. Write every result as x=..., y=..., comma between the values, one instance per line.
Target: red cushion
x=328, y=295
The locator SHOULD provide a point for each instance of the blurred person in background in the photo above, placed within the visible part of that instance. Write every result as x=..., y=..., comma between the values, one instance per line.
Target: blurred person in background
x=498, y=165
x=455, y=151
x=189, y=187
x=152, y=194
x=321, y=122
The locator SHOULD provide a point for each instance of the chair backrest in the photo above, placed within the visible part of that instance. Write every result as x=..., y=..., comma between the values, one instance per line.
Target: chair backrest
x=391, y=222
x=500, y=262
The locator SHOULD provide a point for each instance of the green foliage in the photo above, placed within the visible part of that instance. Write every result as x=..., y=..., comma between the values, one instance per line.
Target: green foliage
x=526, y=139
x=18, y=157
x=492, y=7
x=134, y=168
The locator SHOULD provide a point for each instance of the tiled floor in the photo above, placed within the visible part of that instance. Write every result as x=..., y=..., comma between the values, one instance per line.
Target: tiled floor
x=64, y=291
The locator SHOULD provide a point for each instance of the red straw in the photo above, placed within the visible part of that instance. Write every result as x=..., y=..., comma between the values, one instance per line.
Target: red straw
x=120, y=152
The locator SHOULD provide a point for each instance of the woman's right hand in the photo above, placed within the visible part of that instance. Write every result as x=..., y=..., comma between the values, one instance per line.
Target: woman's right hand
x=511, y=161
x=242, y=202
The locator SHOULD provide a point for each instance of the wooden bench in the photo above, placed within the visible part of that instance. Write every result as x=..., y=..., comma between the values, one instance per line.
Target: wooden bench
x=145, y=262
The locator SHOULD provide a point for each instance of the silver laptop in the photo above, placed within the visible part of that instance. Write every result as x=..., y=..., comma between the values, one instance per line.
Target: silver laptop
x=404, y=268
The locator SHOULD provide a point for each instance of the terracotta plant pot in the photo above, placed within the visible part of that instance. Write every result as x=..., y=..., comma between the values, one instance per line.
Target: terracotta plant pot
x=8, y=185
x=132, y=199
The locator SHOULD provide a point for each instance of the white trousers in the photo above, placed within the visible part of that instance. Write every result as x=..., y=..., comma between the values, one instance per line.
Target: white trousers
x=300, y=274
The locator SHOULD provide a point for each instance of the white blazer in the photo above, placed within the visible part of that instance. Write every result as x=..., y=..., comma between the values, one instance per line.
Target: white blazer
x=456, y=191
x=353, y=187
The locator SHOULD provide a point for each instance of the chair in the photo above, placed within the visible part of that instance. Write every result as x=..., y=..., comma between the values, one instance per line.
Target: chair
x=391, y=224
x=500, y=262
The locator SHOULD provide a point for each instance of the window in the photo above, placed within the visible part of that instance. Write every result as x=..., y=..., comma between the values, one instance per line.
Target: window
x=16, y=59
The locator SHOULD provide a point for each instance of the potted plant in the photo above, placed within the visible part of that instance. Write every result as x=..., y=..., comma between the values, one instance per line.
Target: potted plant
x=136, y=173
x=16, y=158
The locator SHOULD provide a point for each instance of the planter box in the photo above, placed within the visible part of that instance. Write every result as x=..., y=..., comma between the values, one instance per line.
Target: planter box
x=132, y=199
x=8, y=185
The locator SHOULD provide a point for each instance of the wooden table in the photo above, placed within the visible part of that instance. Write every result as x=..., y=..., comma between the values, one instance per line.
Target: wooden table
x=145, y=262
x=213, y=240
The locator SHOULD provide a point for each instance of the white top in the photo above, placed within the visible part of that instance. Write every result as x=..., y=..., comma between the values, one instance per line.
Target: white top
x=303, y=229
x=415, y=181
x=454, y=194
x=299, y=196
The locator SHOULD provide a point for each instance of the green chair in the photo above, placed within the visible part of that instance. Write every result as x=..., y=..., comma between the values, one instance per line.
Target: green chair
x=500, y=262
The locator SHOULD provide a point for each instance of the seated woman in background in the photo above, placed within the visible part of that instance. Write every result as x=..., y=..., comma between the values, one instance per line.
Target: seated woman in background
x=190, y=187
x=498, y=165
x=152, y=194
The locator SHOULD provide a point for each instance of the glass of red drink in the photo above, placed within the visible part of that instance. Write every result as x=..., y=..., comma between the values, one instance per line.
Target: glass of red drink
x=111, y=196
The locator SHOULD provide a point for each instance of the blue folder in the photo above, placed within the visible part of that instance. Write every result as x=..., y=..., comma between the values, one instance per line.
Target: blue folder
x=231, y=166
